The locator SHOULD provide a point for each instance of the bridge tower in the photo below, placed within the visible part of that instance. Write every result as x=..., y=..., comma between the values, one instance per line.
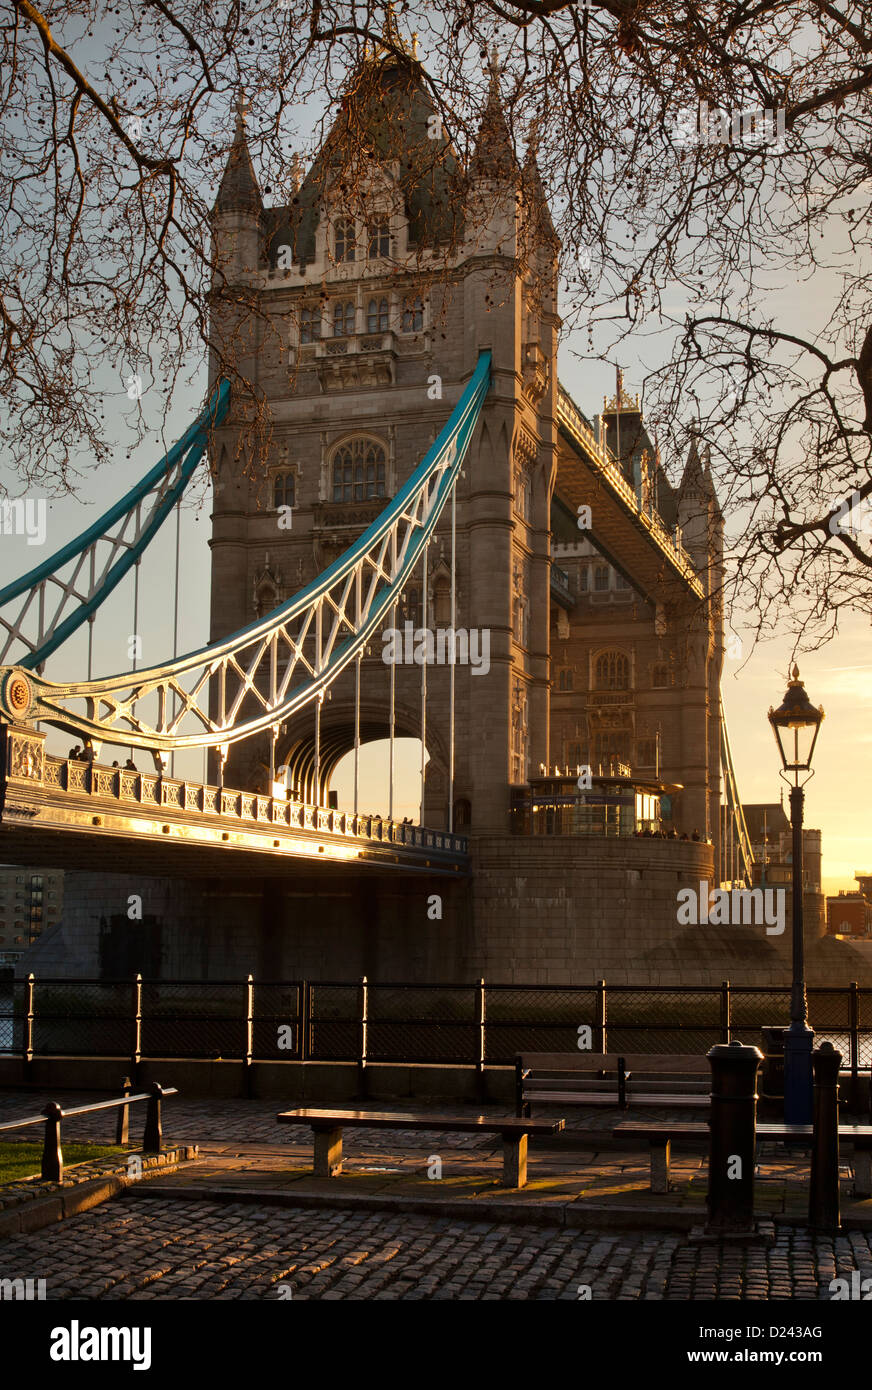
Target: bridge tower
x=357, y=312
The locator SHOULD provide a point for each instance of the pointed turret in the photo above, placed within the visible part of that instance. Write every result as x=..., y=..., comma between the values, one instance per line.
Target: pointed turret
x=535, y=200
x=239, y=190
x=494, y=155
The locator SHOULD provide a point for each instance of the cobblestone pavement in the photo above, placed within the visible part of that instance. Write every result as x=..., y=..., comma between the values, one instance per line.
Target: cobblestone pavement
x=163, y=1250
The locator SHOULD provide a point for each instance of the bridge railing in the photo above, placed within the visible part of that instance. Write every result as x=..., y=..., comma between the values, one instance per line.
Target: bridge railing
x=133, y=788
x=475, y=1024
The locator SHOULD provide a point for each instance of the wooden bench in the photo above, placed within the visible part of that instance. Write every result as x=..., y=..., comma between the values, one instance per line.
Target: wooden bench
x=660, y=1136
x=327, y=1127
x=610, y=1078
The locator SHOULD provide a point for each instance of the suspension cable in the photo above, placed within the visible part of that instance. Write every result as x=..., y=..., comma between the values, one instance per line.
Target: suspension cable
x=357, y=729
x=453, y=659
x=392, y=723
x=423, y=677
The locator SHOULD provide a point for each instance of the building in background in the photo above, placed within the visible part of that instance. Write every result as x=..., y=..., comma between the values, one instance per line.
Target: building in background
x=772, y=844
x=31, y=899
x=849, y=912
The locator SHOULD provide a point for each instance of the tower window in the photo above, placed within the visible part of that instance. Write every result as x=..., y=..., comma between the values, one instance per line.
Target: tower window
x=310, y=325
x=601, y=579
x=343, y=318
x=660, y=676
x=564, y=678
x=379, y=239
x=413, y=315
x=377, y=316
x=612, y=671
x=284, y=490
x=358, y=471
x=344, y=239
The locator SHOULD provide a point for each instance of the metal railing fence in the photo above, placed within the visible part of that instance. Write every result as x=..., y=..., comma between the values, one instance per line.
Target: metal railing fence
x=475, y=1023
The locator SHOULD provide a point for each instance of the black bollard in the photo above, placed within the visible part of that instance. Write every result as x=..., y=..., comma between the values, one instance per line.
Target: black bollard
x=151, y=1139
x=122, y=1123
x=52, y=1154
x=733, y=1140
x=823, y=1196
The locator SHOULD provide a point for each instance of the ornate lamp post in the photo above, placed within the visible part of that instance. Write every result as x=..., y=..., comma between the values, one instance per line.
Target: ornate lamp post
x=796, y=724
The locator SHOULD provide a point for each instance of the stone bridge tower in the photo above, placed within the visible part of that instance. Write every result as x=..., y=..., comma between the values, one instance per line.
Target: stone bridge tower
x=361, y=310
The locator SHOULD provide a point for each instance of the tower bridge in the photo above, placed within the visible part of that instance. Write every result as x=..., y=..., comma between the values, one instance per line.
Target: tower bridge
x=435, y=471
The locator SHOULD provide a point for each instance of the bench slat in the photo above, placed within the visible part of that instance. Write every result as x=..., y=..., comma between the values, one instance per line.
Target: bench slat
x=374, y=1119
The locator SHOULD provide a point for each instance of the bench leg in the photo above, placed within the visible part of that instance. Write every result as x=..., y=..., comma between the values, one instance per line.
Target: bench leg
x=862, y=1172
x=328, y=1153
x=660, y=1153
x=514, y=1160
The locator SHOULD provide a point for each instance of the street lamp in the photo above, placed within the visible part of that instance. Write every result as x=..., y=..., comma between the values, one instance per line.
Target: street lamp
x=796, y=724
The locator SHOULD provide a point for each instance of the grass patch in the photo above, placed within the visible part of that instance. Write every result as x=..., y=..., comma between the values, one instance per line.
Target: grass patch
x=19, y=1161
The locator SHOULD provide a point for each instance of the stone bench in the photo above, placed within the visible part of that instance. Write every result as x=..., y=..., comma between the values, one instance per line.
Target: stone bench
x=660, y=1136
x=327, y=1127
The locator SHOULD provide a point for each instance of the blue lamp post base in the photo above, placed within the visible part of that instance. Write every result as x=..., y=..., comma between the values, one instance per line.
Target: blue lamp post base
x=798, y=1076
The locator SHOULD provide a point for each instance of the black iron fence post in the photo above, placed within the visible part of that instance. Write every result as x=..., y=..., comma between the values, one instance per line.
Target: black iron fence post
x=823, y=1194
x=601, y=1015
x=305, y=1017
x=733, y=1139
x=136, y=1042
x=480, y=1018
x=725, y=1011
x=854, y=1004
x=27, y=1040
x=122, y=1124
x=151, y=1139
x=364, y=1019
x=249, y=1036
x=52, y=1154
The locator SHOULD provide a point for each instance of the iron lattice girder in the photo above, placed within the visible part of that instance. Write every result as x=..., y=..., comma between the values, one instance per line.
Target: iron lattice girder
x=368, y=579
x=93, y=577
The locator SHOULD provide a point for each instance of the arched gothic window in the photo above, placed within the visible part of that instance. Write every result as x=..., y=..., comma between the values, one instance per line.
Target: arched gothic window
x=413, y=315
x=284, y=490
x=377, y=316
x=343, y=318
x=379, y=238
x=612, y=671
x=359, y=471
x=344, y=239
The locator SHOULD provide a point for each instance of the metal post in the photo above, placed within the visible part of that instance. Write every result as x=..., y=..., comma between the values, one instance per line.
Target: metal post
x=799, y=1039
x=305, y=1020
x=249, y=1032
x=725, y=1011
x=823, y=1194
x=52, y=1154
x=176, y=620
x=357, y=732
x=27, y=1048
x=393, y=711
x=480, y=1015
x=451, y=681
x=364, y=1019
x=122, y=1122
x=136, y=1050
x=854, y=1006
x=151, y=1139
x=600, y=1023
x=733, y=1139
x=317, y=796
x=424, y=682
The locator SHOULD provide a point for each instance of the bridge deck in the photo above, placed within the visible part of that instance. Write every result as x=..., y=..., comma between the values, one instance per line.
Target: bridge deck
x=52, y=806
